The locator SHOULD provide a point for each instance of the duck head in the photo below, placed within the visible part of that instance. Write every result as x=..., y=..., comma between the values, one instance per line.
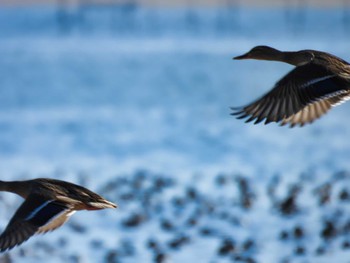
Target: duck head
x=262, y=53
x=297, y=58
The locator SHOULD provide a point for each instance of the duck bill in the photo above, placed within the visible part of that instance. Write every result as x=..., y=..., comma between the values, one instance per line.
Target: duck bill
x=244, y=56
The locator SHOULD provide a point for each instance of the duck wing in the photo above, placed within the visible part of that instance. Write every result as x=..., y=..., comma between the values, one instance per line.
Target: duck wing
x=315, y=110
x=303, y=86
x=34, y=216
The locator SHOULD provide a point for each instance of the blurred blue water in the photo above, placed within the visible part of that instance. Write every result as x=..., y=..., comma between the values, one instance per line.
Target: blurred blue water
x=157, y=84
x=125, y=20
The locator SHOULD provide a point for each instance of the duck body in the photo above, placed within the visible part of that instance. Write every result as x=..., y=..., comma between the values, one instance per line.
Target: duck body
x=318, y=82
x=48, y=204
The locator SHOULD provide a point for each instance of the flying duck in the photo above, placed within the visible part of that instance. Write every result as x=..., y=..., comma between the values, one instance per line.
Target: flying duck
x=318, y=82
x=48, y=204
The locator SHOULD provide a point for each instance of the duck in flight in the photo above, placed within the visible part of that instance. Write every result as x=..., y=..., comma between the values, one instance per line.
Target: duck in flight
x=48, y=204
x=318, y=82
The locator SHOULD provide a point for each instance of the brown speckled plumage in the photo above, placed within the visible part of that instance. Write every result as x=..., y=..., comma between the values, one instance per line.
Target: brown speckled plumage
x=319, y=82
x=48, y=204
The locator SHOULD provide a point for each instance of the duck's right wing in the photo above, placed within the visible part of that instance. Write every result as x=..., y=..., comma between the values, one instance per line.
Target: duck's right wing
x=34, y=214
x=315, y=110
x=303, y=86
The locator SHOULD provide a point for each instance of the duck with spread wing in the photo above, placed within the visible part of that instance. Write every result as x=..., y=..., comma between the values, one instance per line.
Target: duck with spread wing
x=48, y=204
x=318, y=82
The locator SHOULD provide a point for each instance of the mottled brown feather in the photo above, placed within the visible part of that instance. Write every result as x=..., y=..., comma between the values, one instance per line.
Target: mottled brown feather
x=319, y=82
x=48, y=204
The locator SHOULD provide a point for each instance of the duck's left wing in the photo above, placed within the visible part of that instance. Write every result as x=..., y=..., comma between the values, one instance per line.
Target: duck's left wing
x=34, y=215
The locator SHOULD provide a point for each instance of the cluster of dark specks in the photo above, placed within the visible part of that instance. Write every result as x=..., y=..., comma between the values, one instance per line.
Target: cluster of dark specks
x=181, y=215
x=159, y=218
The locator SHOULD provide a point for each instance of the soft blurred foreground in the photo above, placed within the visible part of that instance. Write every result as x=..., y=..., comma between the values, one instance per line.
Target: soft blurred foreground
x=133, y=102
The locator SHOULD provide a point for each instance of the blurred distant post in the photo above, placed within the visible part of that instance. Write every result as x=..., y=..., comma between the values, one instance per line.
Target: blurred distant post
x=192, y=19
x=346, y=14
x=123, y=15
x=296, y=15
x=119, y=13
x=228, y=17
x=66, y=14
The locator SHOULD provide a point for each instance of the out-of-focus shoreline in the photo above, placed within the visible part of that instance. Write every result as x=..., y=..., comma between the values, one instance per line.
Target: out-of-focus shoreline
x=179, y=3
